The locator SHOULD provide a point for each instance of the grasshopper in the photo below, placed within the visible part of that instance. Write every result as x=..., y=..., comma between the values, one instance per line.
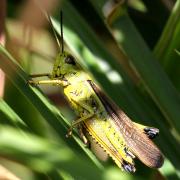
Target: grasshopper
x=100, y=117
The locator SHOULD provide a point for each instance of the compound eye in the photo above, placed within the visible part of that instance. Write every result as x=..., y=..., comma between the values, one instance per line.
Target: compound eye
x=70, y=60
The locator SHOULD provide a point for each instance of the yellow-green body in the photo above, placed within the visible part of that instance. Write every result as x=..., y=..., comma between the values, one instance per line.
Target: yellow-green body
x=91, y=112
x=117, y=136
x=99, y=125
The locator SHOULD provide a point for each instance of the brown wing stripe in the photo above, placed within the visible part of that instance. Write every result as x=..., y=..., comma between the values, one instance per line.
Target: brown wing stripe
x=138, y=142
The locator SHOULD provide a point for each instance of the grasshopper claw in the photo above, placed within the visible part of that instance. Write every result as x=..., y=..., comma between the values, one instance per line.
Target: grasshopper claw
x=31, y=82
x=69, y=133
x=128, y=167
x=83, y=136
x=151, y=132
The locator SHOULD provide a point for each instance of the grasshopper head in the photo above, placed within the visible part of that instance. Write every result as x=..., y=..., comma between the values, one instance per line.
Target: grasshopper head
x=65, y=64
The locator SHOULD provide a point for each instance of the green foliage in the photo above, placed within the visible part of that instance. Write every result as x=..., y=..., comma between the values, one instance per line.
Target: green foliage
x=32, y=130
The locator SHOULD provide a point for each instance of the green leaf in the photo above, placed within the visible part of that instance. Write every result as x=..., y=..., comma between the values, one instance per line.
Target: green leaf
x=39, y=154
x=50, y=113
x=11, y=115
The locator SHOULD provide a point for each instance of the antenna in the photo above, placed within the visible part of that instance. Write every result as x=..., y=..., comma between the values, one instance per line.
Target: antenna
x=60, y=45
x=54, y=32
x=61, y=28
